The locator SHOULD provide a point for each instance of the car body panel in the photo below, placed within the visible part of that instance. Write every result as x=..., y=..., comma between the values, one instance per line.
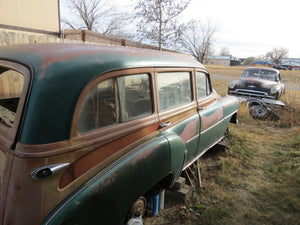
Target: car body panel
x=56, y=64
x=215, y=117
x=102, y=193
x=100, y=173
x=186, y=125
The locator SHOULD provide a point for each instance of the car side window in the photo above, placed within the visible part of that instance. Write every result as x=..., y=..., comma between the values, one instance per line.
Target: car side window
x=99, y=108
x=115, y=100
x=203, y=85
x=174, y=89
x=135, y=96
x=11, y=86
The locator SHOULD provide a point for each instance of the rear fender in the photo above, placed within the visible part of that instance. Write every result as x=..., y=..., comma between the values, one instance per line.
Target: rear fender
x=178, y=152
x=107, y=197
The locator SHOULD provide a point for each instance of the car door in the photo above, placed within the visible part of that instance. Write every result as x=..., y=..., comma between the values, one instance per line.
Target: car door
x=178, y=111
x=210, y=111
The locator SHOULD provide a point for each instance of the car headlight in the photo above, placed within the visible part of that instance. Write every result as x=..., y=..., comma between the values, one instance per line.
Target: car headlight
x=231, y=85
x=273, y=90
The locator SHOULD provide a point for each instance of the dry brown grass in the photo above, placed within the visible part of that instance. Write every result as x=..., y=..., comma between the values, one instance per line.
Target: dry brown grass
x=255, y=180
x=226, y=71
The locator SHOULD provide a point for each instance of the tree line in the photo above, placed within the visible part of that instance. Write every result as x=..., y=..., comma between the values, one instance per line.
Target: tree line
x=154, y=22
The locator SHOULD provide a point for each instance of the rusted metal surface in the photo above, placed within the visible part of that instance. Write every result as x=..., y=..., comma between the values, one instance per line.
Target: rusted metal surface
x=96, y=168
x=61, y=71
x=104, y=155
x=267, y=108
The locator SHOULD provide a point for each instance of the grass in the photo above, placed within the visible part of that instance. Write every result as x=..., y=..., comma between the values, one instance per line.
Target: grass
x=255, y=179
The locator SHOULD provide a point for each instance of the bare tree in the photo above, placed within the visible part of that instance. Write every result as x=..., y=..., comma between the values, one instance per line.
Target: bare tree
x=157, y=21
x=250, y=60
x=95, y=15
x=224, y=51
x=198, y=39
x=276, y=55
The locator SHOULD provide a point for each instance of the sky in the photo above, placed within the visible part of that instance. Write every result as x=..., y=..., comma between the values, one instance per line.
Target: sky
x=251, y=28
x=248, y=28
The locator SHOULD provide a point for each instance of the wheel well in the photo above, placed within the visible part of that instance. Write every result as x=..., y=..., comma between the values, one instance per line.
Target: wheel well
x=165, y=183
x=234, y=119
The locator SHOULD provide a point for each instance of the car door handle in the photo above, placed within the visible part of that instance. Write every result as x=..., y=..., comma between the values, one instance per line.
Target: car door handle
x=47, y=171
x=201, y=107
x=162, y=125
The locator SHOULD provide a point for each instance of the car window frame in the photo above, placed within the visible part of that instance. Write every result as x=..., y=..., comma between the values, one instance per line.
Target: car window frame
x=209, y=98
x=208, y=87
x=192, y=83
x=8, y=135
x=183, y=110
x=113, y=131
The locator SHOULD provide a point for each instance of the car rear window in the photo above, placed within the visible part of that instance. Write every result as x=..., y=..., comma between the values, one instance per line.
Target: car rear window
x=11, y=86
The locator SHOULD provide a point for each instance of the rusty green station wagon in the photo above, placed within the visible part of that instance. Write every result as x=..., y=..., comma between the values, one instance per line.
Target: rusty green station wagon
x=86, y=131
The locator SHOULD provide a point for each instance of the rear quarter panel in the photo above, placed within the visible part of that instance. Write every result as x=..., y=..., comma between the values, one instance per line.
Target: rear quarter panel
x=107, y=197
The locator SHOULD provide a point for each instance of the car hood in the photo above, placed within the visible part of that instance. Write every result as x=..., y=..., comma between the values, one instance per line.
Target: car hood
x=246, y=82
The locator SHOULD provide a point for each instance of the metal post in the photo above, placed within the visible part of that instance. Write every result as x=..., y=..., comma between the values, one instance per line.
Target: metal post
x=199, y=174
x=190, y=180
x=162, y=200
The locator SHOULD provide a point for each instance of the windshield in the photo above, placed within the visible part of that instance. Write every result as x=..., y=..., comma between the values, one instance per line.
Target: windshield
x=11, y=86
x=262, y=74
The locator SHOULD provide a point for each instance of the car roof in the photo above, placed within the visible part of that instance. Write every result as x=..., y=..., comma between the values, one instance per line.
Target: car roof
x=60, y=71
x=118, y=57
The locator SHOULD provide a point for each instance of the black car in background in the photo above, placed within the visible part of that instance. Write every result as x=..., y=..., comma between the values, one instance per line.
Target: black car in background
x=258, y=82
x=278, y=67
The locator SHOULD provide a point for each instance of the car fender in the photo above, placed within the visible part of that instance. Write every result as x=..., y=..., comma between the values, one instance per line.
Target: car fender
x=130, y=177
x=178, y=152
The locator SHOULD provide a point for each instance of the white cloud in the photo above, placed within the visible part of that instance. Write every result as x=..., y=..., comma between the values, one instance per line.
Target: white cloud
x=251, y=28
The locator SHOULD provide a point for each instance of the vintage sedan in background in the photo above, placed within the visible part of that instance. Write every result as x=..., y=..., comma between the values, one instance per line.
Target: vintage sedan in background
x=258, y=82
x=89, y=133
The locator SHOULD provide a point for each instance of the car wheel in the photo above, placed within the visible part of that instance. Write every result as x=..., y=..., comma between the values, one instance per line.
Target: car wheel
x=259, y=112
x=138, y=208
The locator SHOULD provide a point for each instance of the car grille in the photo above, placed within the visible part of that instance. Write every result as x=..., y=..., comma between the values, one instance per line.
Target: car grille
x=250, y=93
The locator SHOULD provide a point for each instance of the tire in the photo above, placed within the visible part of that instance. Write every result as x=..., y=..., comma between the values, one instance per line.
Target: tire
x=138, y=208
x=259, y=112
